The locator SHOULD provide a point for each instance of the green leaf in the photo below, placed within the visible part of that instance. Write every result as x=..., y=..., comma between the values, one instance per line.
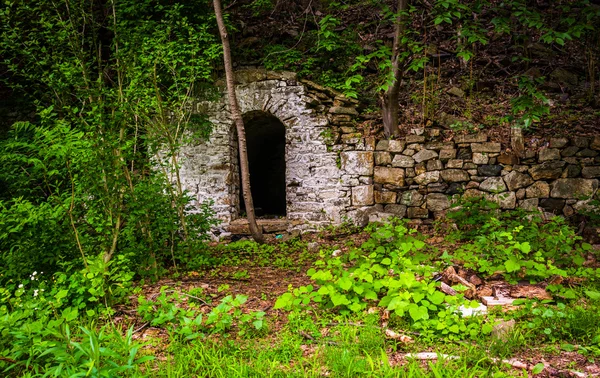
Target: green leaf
x=62, y=294
x=283, y=301
x=436, y=298
x=345, y=283
x=593, y=294
x=512, y=265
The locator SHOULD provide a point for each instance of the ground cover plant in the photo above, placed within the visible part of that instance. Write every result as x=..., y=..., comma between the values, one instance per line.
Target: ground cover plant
x=367, y=303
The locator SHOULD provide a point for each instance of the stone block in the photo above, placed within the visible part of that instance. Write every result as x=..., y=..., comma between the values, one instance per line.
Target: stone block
x=547, y=171
x=454, y=175
x=455, y=188
x=385, y=197
x=415, y=139
x=489, y=170
x=379, y=217
x=425, y=155
x=586, y=152
x=569, y=151
x=392, y=176
x=396, y=146
x=577, y=188
x=506, y=200
x=434, y=165
x=357, y=162
x=403, y=161
x=383, y=158
x=343, y=110
x=516, y=180
x=508, y=159
x=480, y=158
x=398, y=210
x=486, y=147
x=417, y=212
x=581, y=142
x=595, y=144
x=558, y=142
x=590, y=172
x=571, y=171
x=409, y=152
x=428, y=177
x=439, y=146
x=411, y=198
x=454, y=163
x=539, y=189
x=493, y=184
x=530, y=204
x=437, y=202
x=471, y=138
x=552, y=205
x=437, y=187
x=353, y=138
x=447, y=154
x=382, y=145
x=547, y=154
x=362, y=195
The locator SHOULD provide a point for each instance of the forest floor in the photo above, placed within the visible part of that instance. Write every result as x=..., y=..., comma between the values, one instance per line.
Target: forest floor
x=543, y=336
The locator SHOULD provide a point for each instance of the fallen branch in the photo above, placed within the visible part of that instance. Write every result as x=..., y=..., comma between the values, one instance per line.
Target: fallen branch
x=311, y=338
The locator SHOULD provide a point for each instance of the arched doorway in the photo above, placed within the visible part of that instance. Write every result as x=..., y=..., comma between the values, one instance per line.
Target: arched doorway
x=265, y=141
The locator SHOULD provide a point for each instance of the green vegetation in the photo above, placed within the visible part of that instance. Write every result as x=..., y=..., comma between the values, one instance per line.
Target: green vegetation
x=105, y=271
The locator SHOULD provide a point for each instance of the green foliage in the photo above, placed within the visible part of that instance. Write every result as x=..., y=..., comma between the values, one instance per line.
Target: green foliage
x=42, y=332
x=386, y=271
x=190, y=323
x=98, y=171
x=501, y=242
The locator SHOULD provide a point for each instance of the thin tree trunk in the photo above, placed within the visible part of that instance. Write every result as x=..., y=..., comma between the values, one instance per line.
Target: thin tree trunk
x=389, y=105
x=239, y=124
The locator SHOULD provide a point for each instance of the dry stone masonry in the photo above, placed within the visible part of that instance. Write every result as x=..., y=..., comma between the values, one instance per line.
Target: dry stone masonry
x=335, y=173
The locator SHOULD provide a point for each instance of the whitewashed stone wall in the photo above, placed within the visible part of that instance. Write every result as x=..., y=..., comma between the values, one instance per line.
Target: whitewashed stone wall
x=315, y=192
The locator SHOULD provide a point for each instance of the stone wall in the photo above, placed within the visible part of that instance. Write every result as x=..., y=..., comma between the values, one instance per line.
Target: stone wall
x=313, y=117
x=419, y=176
x=335, y=173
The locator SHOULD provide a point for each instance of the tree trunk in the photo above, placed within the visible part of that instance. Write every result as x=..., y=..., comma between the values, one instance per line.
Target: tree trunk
x=239, y=124
x=389, y=105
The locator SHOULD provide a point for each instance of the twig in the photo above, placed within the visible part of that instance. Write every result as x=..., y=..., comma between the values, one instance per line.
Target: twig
x=187, y=295
x=309, y=337
x=141, y=328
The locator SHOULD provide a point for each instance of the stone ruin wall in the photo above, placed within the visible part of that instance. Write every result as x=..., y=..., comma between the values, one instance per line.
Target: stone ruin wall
x=420, y=176
x=334, y=173
x=311, y=114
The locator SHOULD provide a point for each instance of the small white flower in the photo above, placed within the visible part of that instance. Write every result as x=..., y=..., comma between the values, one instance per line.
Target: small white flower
x=20, y=286
x=34, y=273
x=35, y=293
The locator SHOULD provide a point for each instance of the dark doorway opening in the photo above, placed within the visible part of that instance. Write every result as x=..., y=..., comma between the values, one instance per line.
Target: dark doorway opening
x=265, y=141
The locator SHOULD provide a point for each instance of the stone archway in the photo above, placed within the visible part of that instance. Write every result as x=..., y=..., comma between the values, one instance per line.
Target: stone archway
x=317, y=188
x=265, y=142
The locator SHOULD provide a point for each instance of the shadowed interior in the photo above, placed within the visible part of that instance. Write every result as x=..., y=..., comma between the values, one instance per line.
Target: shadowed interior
x=265, y=140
